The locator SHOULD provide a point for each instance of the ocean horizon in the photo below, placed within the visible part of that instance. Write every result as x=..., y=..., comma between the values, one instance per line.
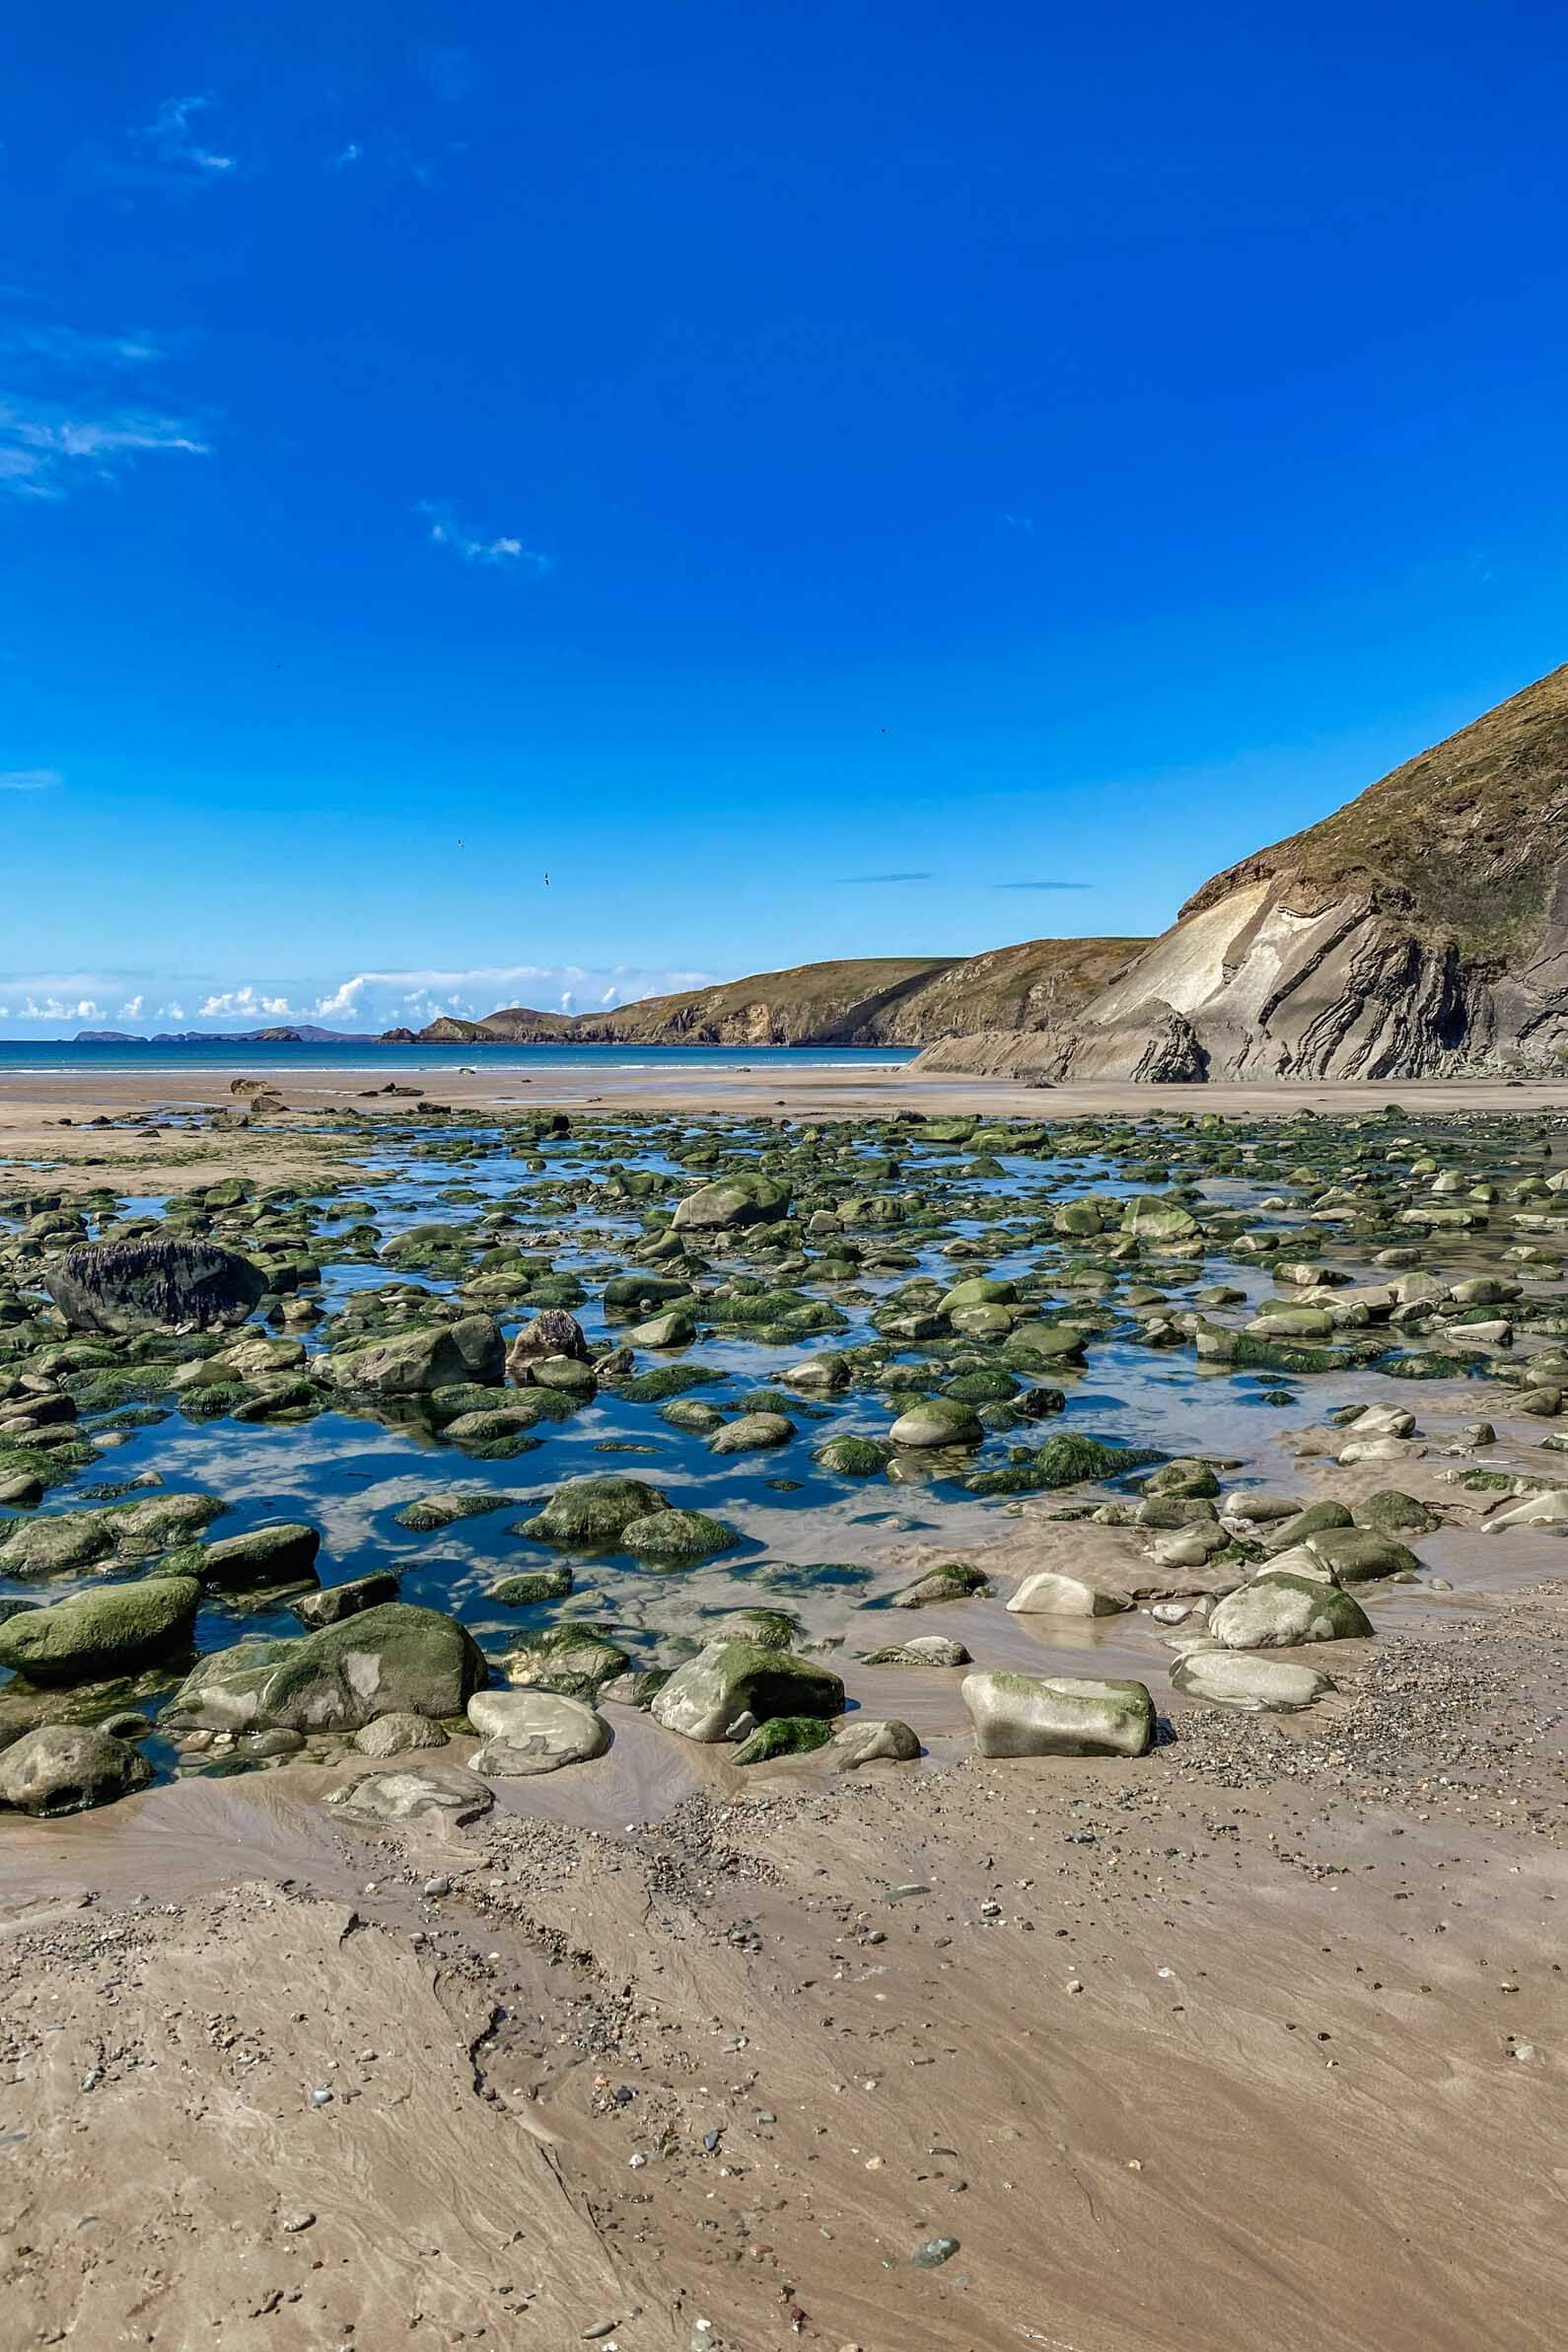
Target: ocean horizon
x=36, y=1056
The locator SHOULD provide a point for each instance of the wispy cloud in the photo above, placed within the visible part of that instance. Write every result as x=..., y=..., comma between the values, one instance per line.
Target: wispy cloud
x=173, y=140
x=858, y=881
x=1023, y=522
x=30, y=779
x=1040, y=886
x=347, y=154
x=504, y=549
x=46, y=446
x=68, y=346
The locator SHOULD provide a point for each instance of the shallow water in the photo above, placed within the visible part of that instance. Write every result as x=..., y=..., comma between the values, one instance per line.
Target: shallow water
x=821, y=1545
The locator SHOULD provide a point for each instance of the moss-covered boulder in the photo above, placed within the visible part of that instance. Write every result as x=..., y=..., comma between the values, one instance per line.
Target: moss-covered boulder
x=851, y=1457
x=413, y=1363
x=938, y=1421
x=282, y=1554
x=107, y=1633
x=532, y=1586
x=729, y=1681
x=593, y=1511
x=395, y=1658
x=730, y=1203
x=751, y=1432
x=676, y=1539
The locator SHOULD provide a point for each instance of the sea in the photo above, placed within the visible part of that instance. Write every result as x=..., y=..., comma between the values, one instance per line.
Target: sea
x=41, y=1057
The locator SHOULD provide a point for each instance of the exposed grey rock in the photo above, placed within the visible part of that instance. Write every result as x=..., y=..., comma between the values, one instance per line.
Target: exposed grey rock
x=388, y=1797
x=526, y=1731
x=153, y=1285
x=1068, y=1715
x=67, y=1767
x=1226, y=1678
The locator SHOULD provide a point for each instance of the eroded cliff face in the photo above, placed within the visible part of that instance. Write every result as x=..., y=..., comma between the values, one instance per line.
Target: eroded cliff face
x=1420, y=931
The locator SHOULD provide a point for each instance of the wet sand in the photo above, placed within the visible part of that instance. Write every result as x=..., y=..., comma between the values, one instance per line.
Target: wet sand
x=1261, y=2038
x=47, y=1116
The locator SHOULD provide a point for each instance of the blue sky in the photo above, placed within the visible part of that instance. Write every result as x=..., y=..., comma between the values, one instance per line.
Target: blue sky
x=810, y=480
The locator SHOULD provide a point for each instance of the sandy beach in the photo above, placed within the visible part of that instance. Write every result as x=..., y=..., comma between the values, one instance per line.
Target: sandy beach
x=1258, y=2038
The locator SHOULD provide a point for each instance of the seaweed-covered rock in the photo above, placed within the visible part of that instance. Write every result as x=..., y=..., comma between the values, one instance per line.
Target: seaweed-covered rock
x=955, y=1580
x=927, y=1649
x=593, y=1511
x=751, y=1432
x=280, y=1554
x=574, y=1657
x=783, y=1734
x=156, y=1284
x=334, y=1602
x=101, y=1633
x=727, y=1681
x=393, y=1660
x=730, y=1203
x=675, y=1538
x=851, y=1457
x=413, y=1363
x=938, y=1421
x=531, y=1586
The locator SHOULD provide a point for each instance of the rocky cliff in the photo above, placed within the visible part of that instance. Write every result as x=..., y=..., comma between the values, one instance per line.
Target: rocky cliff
x=1419, y=931
x=872, y=1000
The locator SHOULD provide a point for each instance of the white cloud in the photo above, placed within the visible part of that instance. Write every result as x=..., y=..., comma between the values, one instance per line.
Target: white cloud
x=47, y=448
x=348, y=155
x=445, y=533
x=30, y=779
x=130, y=1010
x=377, y=1000
x=241, y=1003
x=172, y=1012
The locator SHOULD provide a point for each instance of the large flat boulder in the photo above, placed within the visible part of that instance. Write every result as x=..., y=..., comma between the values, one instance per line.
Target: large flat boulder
x=393, y=1660
x=107, y=1632
x=413, y=1363
x=1016, y=1715
x=153, y=1285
